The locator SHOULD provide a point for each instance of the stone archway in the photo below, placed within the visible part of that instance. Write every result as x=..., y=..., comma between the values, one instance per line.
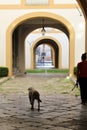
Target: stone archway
x=56, y=47
x=21, y=19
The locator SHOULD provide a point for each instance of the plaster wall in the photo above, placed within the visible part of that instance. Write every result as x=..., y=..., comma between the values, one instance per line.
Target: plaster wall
x=8, y=16
x=61, y=38
x=6, y=2
x=65, y=1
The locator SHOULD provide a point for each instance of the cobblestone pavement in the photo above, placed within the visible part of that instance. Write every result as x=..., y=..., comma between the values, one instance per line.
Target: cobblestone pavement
x=58, y=111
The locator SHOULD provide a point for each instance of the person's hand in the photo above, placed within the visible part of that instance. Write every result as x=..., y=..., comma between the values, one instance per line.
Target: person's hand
x=76, y=84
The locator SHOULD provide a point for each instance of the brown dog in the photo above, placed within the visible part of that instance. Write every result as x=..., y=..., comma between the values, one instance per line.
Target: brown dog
x=34, y=95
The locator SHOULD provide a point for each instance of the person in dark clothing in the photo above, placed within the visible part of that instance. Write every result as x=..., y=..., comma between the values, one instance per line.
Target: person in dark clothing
x=82, y=77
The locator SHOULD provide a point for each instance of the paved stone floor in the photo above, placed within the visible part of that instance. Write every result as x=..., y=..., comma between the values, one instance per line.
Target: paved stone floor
x=58, y=111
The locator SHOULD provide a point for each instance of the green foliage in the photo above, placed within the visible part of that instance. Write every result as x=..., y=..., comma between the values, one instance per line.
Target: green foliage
x=35, y=71
x=47, y=70
x=3, y=71
x=58, y=70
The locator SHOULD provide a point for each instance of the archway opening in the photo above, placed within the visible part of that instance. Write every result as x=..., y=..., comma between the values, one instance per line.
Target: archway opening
x=44, y=56
x=24, y=28
x=49, y=54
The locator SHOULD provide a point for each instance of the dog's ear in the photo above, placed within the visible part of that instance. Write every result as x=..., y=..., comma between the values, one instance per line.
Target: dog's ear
x=30, y=88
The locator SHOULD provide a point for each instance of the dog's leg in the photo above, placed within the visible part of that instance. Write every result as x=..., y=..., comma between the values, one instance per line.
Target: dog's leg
x=38, y=105
x=32, y=104
x=30, y=100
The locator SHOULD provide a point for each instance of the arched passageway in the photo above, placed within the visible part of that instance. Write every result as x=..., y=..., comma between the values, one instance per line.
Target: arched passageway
x=44, y=56
x=21, y=27
x=55, y=49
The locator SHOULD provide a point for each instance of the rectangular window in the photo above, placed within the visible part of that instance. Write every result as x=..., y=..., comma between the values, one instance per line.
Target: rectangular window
x=37, y=2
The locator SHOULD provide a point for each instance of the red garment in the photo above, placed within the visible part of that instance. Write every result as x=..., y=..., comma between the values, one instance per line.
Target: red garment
x=82, y=69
